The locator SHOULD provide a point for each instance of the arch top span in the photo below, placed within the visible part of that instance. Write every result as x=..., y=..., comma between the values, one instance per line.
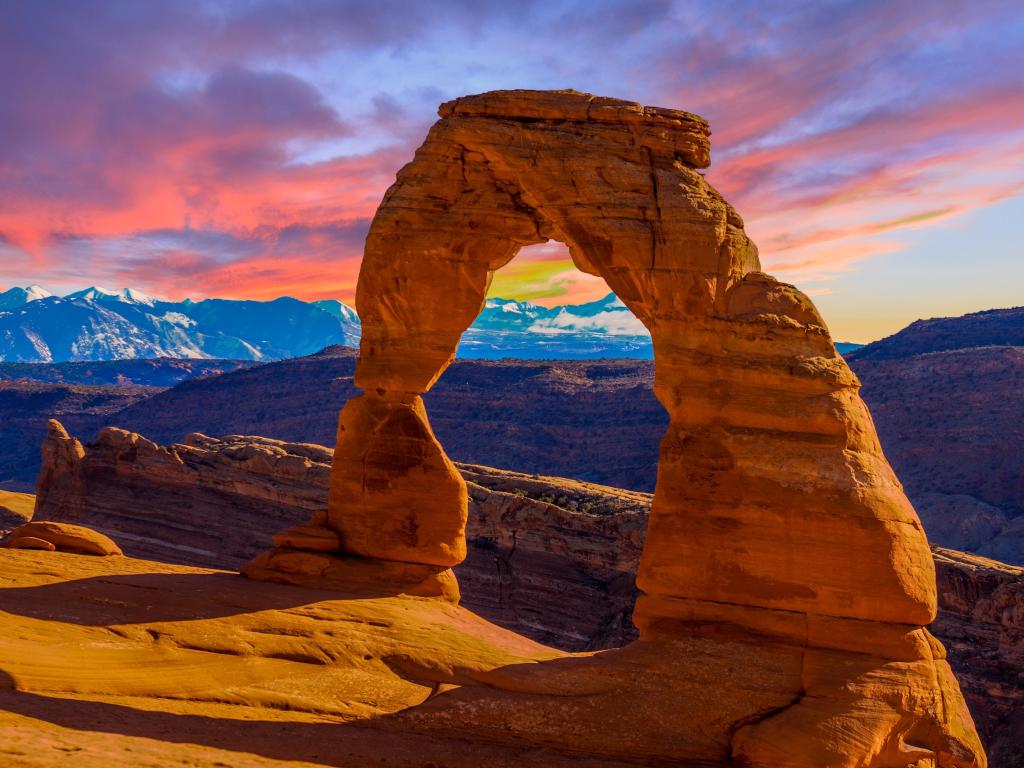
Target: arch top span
x=686, y=135
x=616, y=181
x=777, y=523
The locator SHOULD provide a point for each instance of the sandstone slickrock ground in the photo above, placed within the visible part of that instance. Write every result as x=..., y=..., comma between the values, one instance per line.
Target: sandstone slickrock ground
x=129, y=663
x=15, y=509
x=549, y=558
x=125, y=662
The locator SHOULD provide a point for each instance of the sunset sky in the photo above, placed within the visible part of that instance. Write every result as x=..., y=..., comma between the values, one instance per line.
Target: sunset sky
x=239, y=149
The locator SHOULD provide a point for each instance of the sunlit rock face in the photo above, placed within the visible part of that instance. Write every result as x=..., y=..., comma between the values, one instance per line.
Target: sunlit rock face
x=783, y=568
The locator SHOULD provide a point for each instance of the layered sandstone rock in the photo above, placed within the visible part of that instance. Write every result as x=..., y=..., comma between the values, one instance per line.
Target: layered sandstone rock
x=786, y=579
x=204, y=501
x=25, y=407
x=777, y=522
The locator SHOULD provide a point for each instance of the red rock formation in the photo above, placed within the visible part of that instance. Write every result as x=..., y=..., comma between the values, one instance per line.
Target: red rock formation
x=205, y=502
x=63, y=537
x=776, y=519
x=25, y=407
x=30, y=542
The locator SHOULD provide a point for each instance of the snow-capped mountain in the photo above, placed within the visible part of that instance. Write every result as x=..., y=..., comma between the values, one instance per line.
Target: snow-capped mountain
x=339, y=309
x=17, y=297
x=607, y=316
x=125, y=295
x=102, y=324
x=602, y=328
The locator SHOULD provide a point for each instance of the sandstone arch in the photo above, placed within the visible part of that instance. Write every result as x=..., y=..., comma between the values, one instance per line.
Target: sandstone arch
x=776, y=514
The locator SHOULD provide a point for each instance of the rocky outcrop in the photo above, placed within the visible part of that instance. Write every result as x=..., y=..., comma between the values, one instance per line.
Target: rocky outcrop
x=204, y=501
x=553, y=559
x=25, y=407
x=776, y=521
x=62, y=537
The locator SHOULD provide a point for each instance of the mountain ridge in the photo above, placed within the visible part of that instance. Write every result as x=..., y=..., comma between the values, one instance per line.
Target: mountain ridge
x=99, y=323
x=987, y=328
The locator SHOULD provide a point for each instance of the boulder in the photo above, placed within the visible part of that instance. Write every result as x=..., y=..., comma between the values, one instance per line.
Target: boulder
x=63, y=537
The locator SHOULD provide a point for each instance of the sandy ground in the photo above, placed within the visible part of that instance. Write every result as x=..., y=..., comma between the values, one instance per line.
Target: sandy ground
x=119, y=662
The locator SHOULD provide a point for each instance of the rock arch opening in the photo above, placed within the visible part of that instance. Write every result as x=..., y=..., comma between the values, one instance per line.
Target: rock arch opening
x=552, y=354
x=573, y=407
x=776, y=521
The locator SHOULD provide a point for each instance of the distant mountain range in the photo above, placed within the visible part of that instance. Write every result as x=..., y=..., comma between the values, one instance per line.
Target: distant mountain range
x=992, y=327
x=100, y=324
x=138, y=372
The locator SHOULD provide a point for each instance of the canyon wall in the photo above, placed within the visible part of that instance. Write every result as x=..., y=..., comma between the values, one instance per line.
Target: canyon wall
x=981, y=623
